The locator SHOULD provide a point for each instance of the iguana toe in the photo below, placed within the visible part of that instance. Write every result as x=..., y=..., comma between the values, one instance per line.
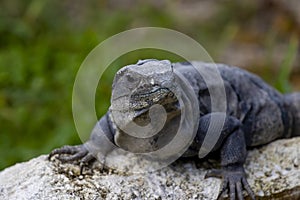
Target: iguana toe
x=234, y=181
x=73, y=153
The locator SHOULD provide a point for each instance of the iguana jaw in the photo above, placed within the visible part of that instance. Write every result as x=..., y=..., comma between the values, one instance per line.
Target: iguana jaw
x=140, y=102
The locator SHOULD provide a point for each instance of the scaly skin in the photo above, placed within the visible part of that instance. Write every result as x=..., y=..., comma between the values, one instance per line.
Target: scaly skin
x=256, y=115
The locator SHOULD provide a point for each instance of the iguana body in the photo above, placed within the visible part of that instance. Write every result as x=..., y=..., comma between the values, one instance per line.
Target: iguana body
x=256, y=114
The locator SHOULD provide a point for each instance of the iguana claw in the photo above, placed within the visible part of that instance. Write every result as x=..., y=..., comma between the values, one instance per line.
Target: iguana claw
x=73, y=153
x=234, y=181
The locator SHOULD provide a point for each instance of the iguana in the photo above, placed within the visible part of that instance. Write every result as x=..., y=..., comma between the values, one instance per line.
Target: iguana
x=255, y=114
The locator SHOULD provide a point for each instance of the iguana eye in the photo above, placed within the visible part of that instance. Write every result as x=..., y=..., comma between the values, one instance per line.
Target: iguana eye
x=130, y=78
x=131, y=81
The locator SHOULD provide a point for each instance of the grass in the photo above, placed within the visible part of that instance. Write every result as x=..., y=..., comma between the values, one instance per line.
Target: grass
x=282, y=83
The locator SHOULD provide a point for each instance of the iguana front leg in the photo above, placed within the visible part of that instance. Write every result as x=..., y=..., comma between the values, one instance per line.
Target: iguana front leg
x=72, y=153
x=101, y=138
x=233, y=154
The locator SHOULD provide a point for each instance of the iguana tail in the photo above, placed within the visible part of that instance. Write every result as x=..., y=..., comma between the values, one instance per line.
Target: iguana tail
x=293, y=103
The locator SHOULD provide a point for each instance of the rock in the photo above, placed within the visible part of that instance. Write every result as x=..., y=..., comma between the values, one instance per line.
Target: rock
x=273, y=170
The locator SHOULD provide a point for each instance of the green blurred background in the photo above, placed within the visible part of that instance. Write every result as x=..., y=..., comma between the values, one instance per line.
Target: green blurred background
x=43, y=43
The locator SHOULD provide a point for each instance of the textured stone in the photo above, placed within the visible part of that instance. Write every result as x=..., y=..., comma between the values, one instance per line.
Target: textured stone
x=273, y=170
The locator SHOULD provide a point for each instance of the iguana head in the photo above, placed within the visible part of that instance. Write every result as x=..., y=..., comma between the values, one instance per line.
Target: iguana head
x=136, y=90
x=146, y=83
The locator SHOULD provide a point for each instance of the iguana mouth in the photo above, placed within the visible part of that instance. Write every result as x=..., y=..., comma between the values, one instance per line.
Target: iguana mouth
x=141, y=101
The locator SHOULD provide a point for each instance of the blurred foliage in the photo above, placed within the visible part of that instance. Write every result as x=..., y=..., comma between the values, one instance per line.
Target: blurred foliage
x=42, y=44
x=282, y=82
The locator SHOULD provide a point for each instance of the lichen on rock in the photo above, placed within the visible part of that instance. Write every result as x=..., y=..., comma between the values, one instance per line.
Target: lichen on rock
x=273, y=173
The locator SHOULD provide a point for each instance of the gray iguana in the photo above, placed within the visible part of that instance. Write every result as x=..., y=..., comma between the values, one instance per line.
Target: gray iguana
x=256, y=114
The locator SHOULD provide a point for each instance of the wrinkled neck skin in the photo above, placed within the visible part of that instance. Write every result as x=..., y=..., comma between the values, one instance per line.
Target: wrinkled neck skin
x=142, y=145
